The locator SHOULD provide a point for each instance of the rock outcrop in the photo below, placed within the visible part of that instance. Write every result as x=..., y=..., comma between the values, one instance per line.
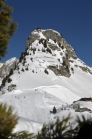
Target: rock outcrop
x=57, y=37
x=7, y=66
x=61, y=70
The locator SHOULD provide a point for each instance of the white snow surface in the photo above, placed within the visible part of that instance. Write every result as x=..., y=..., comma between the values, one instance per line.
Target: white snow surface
x=37, y=92
x=1, y=64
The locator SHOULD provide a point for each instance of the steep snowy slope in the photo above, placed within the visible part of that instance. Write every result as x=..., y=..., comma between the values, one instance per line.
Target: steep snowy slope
x=47, y=74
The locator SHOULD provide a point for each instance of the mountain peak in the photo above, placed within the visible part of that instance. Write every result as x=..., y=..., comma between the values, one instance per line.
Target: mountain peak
x=51, y=51
x=52, y=42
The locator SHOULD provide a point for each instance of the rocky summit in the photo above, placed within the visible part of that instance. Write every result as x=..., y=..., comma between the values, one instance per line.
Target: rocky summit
x=50, y=47
x=53, y=44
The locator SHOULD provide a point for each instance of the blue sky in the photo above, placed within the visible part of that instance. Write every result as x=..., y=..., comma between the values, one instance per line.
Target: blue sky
x=72, y=18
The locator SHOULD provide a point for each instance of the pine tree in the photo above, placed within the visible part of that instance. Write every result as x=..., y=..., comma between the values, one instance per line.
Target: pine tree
x=22, y=135
x=45, y=44
x=83, y=130
x=54, y=110
x=7, y=27
x=54, y=130
x=8, y=121
x=26, y=68
x=22, y=70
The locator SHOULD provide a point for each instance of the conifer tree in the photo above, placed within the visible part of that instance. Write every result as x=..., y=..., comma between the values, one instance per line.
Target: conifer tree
x=54, y=110
x=7, y=27
x=8, y=121
x=83, y=130
x=54, y=130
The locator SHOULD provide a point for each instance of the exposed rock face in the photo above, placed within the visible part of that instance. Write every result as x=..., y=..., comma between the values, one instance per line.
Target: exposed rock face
x=83, y=110
x=7, y=66
x=31, y=39
x=35, y=35
x=55, y=36
x=84, y=99
x=59, y=44
x=64, y=71
x=53, y=46
x=77, y=108
x=86, y=69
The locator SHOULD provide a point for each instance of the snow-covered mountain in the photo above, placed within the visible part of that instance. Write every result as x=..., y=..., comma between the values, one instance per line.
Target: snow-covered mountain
x=47, y=74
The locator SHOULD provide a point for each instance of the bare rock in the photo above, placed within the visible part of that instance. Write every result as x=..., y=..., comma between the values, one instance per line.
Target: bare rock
x=7, y=66
x=61, y=71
